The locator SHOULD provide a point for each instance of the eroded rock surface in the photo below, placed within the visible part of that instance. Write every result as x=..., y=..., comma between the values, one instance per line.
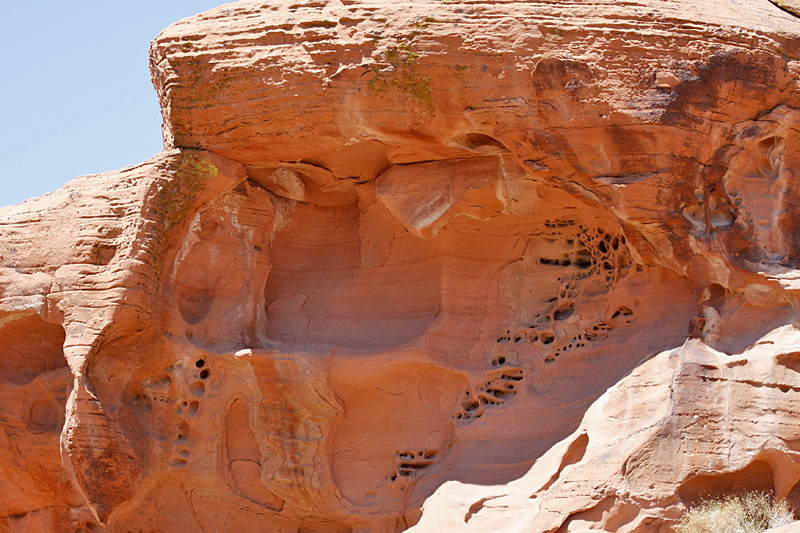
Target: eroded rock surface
x=519, y=266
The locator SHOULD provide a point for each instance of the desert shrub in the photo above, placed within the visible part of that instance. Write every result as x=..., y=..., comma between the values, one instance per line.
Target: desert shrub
x=742, y=513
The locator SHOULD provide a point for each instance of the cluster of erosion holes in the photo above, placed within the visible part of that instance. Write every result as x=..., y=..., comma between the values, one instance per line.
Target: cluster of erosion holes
x=188, y=409
x=409, y=462
x=593, y=258
x=159, y=390
x=592, y=252
x=622, y=316
x=500, y=387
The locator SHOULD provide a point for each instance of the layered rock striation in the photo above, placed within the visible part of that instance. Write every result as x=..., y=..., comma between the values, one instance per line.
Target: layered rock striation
x=518, y=266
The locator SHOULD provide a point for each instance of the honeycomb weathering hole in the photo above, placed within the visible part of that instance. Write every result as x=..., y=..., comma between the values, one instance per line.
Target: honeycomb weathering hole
x=564, y=311
x=482, y=143
x=197, y=388
x=46, y=414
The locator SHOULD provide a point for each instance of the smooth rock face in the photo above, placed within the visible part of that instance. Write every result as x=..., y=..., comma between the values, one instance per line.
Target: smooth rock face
x=518, y=266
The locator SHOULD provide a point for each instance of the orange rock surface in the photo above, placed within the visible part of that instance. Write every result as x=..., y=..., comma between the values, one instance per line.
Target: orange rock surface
x=480, y=266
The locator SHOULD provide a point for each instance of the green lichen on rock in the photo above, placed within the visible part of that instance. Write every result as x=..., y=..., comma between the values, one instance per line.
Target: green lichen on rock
x=178, y=193
x=176, y=197
x=218, y=85
x=402, y=75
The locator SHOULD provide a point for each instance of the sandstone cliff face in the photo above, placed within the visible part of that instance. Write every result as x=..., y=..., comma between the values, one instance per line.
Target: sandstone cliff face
x=452, y=266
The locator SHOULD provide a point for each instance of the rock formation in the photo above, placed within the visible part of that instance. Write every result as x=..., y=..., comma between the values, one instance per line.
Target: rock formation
x=485, y=266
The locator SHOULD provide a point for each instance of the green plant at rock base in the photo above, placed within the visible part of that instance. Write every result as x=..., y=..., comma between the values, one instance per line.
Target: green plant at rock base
x=402, y=75
x=743, y=513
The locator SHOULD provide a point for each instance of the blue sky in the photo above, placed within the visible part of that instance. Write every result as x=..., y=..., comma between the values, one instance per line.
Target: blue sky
x=76, y=89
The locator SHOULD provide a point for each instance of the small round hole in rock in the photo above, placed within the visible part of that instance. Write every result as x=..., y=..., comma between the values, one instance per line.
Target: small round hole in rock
x=564, y=311
x=204, y=374
x=200, y=363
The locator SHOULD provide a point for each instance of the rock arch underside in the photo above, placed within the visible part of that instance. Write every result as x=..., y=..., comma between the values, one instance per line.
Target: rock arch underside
x=446, y=266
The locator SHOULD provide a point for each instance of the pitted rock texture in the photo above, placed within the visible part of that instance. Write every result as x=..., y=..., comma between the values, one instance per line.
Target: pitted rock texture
x=514, y=266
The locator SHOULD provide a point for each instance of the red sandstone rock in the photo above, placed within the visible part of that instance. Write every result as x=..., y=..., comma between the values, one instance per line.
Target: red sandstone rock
x=489, y=266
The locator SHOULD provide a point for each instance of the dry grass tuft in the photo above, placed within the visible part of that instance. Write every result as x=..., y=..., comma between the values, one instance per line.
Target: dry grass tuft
x=743, y=513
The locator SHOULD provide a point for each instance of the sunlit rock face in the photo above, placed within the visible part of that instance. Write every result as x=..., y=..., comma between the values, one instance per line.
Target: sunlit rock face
x=484, y=266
